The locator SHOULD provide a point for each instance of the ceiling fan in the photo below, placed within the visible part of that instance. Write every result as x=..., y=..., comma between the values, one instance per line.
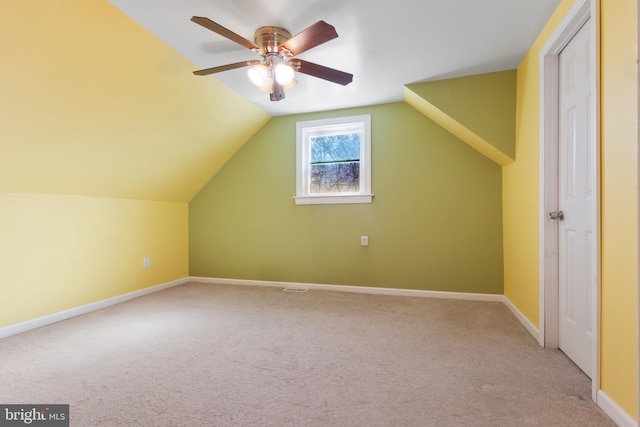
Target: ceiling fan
x=275, y=72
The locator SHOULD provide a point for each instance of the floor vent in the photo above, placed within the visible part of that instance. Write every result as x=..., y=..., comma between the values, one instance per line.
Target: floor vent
x=295, y=289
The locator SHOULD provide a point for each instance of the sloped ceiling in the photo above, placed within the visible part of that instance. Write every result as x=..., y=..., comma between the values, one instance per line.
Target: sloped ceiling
x=384, y=44
x=93, y=104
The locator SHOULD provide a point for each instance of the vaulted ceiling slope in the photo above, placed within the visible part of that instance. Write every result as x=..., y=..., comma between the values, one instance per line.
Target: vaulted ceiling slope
x=92, y=104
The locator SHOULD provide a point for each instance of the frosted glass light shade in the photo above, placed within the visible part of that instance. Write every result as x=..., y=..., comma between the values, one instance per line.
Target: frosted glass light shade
x=284, y=74
x=258, y=74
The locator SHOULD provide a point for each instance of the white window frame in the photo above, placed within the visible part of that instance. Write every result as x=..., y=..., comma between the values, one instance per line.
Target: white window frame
x=308, y=129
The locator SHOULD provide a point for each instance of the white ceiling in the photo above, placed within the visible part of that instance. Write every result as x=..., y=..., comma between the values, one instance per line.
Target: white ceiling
x=384, y=44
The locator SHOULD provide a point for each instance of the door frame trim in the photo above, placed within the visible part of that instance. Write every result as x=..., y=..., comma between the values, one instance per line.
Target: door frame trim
x=638, y=201
x=581, y=12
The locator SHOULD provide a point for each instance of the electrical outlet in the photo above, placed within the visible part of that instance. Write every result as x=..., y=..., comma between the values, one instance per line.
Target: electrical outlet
x=364, y=240
x=146, y=262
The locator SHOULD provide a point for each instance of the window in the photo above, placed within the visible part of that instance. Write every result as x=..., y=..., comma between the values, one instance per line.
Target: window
x=334, y=161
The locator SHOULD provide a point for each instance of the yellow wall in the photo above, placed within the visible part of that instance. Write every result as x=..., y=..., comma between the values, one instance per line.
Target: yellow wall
x=105, y=135
x=520, y=183
x=61, y=252
x=93, y=104
x=619, y=139
x=619, y=203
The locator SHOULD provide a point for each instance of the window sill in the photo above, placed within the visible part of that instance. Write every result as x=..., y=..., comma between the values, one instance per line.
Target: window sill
x=333, y=200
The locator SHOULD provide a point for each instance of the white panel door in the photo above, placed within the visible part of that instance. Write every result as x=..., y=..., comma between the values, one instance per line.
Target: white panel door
x=576, y=194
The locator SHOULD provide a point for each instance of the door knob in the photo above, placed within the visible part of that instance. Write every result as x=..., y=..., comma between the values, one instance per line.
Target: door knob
x=556, y=215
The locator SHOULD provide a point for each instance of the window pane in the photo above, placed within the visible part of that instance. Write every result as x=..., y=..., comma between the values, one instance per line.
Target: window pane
x=335, y=148
x=335, y=177
x=335, y=163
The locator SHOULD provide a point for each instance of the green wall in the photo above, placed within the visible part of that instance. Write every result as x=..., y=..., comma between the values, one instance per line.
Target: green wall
x=435, y=222
x=483, y=103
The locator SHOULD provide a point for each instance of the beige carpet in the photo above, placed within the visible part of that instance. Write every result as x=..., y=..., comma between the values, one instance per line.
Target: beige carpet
x=213, y=355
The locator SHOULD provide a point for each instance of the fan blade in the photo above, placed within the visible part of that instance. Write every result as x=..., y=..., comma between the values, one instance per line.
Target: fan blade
x=321, y=71
x=312, y=36
x=224, y=32
x=235, y=65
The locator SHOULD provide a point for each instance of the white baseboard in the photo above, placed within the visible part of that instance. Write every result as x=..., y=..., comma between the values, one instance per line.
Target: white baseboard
x=354, y=289
x=615, y=412
x=77, y=311
x=533, y=330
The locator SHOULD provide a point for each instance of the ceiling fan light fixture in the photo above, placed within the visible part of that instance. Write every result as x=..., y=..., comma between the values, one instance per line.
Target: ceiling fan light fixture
x=275, y=73
x=284, y=73
x=289, y=85
x=267, y=86
x=259, y=74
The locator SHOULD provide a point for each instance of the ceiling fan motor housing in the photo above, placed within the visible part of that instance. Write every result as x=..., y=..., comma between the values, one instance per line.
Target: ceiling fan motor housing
x=270, y=38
